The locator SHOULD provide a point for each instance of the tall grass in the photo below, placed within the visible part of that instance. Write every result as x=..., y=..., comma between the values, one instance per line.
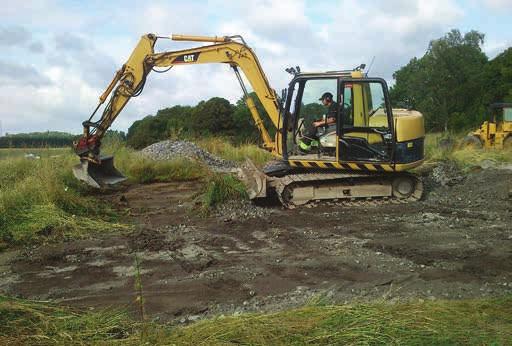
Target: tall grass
x=41, y=152
x=464, y=322
x=224, y=149
x=40, y=199
x=140, y=169
x=216, y=188
x=462, y=156
x=220, y=188
x=418, y=323
x=24, y=322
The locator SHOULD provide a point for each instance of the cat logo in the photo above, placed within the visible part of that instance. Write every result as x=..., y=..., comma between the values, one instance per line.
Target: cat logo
x=188, y=58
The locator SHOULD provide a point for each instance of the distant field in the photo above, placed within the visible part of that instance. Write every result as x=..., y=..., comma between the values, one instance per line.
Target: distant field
x=41, y=152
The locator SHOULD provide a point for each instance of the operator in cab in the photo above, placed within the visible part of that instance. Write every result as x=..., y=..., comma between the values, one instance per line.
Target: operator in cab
x=311, y=134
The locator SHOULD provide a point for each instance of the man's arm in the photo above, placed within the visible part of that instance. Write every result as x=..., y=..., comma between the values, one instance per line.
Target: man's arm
x=329, y=121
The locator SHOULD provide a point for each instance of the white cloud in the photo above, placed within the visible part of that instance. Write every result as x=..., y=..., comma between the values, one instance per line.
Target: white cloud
x=499, y=4
x=83, y=49
x=493, y=48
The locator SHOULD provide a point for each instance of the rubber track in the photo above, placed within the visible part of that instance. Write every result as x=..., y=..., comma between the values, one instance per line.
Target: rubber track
x=288, y=180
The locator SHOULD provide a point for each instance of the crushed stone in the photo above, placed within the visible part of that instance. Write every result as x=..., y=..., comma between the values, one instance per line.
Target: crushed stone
x=241, y=210
x=447, y=174
x=171, y=149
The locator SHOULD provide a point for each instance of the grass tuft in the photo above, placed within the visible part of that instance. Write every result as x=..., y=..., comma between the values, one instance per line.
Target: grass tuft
x=419, y=323
x=140, y=169
x=143, y=170
x=220, y=188
x=224, y=149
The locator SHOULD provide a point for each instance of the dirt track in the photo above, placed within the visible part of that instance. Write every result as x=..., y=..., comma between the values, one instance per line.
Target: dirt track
x=456, y=243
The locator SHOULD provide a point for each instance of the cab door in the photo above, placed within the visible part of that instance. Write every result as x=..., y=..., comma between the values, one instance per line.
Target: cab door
x=365, y=129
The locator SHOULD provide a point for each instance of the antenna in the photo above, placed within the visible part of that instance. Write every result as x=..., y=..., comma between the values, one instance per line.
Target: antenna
x=371, y=64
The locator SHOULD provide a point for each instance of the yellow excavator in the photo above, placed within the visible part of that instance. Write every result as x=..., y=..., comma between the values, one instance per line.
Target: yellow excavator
x=363, y=154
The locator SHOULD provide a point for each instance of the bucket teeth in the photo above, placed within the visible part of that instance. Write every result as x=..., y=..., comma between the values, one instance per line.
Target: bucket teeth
x=98, y=175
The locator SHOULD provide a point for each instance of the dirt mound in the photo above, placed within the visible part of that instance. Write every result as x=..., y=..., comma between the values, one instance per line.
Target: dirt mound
x=486, y=188
x=168, y=150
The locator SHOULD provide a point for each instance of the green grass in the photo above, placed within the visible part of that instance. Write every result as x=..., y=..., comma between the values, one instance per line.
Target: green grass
x=224, y=149
x=35, y=323
x=220, y=188
x=464, y=322
x=140, y=169
x=463, y=157
x=40, y=200
x=217, y=188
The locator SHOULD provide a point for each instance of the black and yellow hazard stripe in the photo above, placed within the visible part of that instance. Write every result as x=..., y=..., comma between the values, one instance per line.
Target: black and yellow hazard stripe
x=357, y=166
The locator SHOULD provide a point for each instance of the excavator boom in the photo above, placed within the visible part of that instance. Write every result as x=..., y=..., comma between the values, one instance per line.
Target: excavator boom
x=129, y=82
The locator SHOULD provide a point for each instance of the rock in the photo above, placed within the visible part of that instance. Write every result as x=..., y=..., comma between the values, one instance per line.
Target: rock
x=241, y=210
x=447, y=174
x=169, y=149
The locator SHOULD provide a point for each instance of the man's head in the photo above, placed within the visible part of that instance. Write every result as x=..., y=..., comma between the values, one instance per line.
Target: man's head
x=326, y=98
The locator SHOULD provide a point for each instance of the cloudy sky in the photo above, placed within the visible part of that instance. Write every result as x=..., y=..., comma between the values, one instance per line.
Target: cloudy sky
x=58, y=56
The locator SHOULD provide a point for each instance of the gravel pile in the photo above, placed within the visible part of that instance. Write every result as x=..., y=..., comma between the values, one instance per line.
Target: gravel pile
x=168, y=150
x=241, y=210
x=447, y=174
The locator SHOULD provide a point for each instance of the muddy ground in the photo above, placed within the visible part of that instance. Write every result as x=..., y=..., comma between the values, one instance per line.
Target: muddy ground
x=456, y=243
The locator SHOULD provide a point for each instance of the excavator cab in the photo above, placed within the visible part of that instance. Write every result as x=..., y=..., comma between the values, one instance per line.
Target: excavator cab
x=363, y=130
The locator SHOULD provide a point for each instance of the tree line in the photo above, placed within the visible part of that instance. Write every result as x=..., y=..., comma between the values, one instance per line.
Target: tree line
x=49, y=139
x=216, y=116
x=454, y=82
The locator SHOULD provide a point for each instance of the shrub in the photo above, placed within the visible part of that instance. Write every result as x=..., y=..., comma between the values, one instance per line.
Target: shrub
x=220, y=188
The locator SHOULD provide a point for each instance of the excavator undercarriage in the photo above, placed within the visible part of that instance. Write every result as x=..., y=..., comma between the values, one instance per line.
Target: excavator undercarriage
x=297, y=187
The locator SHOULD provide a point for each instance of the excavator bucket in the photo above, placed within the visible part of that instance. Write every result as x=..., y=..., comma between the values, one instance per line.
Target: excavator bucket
x=255, y=181
x=98, y=175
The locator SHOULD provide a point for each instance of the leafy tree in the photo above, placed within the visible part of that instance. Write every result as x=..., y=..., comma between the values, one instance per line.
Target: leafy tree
x=144, y=132
x=246, y=130
x=446, y=83
x=214, y=116
x=498, y=78
x=312, y=112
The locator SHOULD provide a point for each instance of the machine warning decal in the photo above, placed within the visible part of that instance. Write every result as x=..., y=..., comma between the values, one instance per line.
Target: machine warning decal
x=186, y=58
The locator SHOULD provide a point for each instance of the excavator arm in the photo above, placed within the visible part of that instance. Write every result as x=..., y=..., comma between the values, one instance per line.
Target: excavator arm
x=129, y=82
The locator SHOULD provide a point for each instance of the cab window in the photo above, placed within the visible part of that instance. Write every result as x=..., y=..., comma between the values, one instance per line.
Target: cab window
x=311, y=108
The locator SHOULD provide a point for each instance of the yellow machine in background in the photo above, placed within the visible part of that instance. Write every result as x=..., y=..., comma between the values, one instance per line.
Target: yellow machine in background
x=495, y=132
